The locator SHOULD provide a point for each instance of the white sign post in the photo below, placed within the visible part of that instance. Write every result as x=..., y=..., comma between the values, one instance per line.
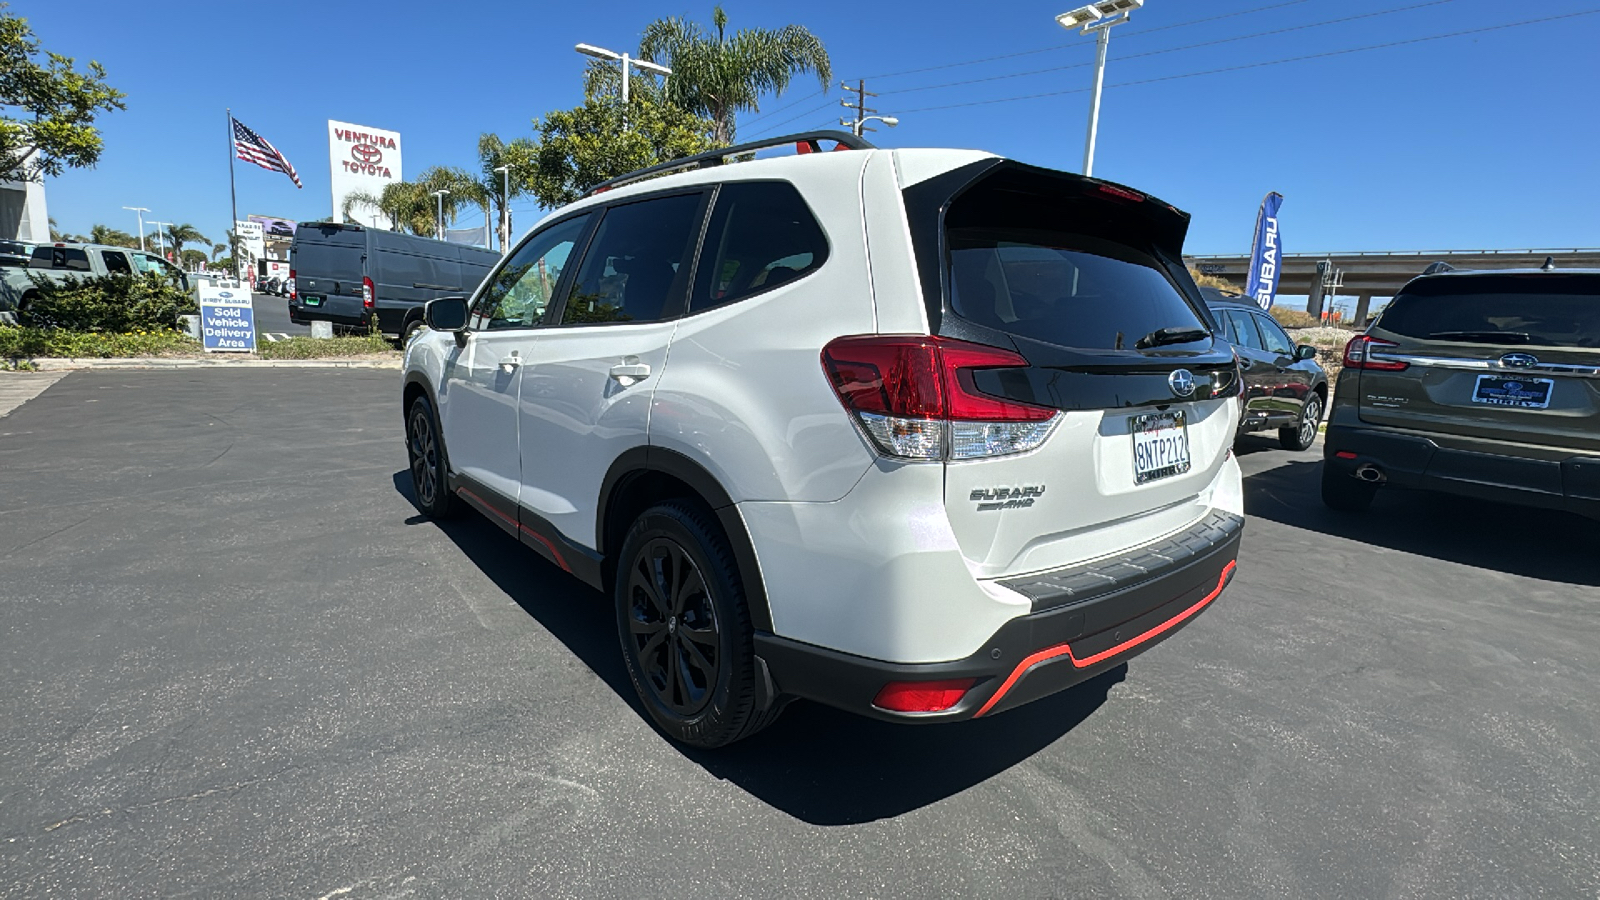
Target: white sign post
x=362, y=159
x=227, y=319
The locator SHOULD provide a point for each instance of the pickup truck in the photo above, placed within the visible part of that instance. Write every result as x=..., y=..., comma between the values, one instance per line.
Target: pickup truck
x=62, y=261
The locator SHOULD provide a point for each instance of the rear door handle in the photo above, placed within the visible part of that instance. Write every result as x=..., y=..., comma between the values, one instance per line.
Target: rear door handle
x=628, y=373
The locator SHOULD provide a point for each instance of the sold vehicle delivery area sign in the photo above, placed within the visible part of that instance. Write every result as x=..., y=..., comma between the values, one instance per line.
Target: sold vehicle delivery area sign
x=227, y=320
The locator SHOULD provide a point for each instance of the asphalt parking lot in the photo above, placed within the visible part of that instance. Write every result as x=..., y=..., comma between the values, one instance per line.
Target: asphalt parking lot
x=238, y=663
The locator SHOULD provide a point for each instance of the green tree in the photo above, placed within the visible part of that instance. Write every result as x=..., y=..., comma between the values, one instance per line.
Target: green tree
x=519, y=156
x=192, y=259
x=720, y=75
x=410, y=205
x=114, y=237
x=217, y=250
x=581, y=147
x=47, y=111
x=178, y=235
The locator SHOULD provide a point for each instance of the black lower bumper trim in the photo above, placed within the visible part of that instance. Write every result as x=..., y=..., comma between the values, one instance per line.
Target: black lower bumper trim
x=1029, y=657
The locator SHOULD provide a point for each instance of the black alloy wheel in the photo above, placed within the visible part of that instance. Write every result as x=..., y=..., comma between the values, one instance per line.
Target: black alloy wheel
x=426, y=450
x=685, y=629
x=674, y=627
x=1303, y=433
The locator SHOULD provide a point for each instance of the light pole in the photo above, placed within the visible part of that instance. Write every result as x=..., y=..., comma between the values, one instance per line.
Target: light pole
x=1097, y=18
x=441, y=194
x=626, y=60
x=857, y=126
x=162, y=238
x=505, y=210
x=139, y=211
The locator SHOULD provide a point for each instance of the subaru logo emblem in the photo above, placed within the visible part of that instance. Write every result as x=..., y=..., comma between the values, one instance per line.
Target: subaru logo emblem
x=224, y=294
x=1182, y=382
x=1519, y=360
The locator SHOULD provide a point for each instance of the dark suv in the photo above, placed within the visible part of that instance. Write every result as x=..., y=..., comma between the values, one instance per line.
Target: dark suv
x=1478, y=383
x=1285, y=387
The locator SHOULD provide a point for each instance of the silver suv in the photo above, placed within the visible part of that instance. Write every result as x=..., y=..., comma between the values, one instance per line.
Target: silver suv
x=921, y=434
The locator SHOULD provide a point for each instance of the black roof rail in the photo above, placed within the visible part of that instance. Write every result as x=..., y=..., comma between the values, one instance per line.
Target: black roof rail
x=810, y=139
x=1436, y=268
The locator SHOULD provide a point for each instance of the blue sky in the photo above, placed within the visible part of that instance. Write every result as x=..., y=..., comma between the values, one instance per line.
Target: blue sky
x=1485, y=140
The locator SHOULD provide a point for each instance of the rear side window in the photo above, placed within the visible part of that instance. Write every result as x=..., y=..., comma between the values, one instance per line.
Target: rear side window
x=1067, y=289
x=340, y=262
x=1537, y=310
x=70, y=258
x=762, y=235
x=632, y=270
x=1243, y=326
x=116, y=263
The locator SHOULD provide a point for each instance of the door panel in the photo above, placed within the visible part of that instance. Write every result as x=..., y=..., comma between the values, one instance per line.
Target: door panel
x=1260, y=373
x=1293, y=382
x=479, y=406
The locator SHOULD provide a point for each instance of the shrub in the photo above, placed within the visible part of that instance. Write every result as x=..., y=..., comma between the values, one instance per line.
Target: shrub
x=1212, y=281
x=115, y=304
x=300, y=347
x=1294, y=318
x=22, y=343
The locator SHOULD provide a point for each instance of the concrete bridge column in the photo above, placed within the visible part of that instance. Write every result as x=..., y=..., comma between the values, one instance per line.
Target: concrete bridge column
x=1363, y=303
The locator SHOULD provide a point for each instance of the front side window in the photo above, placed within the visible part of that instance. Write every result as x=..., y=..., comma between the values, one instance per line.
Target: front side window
x=1276, y=338
x=518, y=295
x=1066, y=289
x=634, y=266
x=762, y=235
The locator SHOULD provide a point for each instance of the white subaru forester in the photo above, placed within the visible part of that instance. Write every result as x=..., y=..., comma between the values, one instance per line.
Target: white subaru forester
x=920, y=434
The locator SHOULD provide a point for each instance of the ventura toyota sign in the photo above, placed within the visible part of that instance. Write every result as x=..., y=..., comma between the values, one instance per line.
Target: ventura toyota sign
x=363, y=159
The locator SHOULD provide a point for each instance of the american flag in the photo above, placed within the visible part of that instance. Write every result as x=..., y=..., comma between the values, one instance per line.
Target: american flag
x=252, y=147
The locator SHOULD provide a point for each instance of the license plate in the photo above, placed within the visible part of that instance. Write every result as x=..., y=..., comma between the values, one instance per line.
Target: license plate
x=1509, y=390
x=311, y=301
x=1160, y=446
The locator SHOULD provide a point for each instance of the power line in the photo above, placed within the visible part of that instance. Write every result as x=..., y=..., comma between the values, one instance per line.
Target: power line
x=1212, y=43
x=974, y=62
x=770, y=113
x=776, y=125
x=1273, y=62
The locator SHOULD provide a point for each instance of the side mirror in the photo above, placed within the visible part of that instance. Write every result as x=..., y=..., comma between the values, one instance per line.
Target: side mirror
x=446, y=314
x=1305, y=351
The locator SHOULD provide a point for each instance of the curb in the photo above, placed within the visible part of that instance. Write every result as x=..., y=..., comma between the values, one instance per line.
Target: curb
x=155, y=362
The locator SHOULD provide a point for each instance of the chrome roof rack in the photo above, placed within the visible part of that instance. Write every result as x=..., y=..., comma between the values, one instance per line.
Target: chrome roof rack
x=807, y=142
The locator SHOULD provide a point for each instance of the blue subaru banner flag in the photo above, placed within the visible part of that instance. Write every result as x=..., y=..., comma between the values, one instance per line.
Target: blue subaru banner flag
x=1267, y=254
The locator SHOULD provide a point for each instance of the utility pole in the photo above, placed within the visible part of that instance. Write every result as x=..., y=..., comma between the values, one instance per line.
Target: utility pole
x=860, y=106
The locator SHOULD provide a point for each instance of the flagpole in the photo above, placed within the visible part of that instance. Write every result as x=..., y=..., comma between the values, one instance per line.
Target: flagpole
x=233, y=194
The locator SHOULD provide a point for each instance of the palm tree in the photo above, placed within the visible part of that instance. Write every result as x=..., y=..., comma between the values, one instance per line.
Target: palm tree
x=718, y=76
x=178, y=235
x=112, y=237
x=411, y=206
x=217, y=250
x=519, y=156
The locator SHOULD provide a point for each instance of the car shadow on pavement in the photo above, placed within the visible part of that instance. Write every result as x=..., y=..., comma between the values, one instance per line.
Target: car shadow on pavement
x=1533, y=543
x=818, y=764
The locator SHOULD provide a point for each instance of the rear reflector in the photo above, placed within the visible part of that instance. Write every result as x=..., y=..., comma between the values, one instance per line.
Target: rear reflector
x=922, y=696
x=1345, y=454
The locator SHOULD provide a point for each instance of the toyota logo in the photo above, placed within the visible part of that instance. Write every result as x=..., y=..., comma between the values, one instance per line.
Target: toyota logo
x=366, y=153
x=1182, y=382
x=1519, y=360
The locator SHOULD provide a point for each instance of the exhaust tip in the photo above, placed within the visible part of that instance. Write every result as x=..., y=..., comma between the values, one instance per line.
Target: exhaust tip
x=1371, y=474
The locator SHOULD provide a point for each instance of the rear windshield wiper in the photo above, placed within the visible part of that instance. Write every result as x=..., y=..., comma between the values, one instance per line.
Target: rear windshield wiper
x=1483, y=337
x=1164, y=336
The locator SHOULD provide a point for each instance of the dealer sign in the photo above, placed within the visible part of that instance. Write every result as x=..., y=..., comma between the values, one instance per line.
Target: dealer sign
x=227, y=319
x=362, y=159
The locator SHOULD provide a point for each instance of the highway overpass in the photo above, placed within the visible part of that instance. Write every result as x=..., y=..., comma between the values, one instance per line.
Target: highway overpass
x=1380, y=274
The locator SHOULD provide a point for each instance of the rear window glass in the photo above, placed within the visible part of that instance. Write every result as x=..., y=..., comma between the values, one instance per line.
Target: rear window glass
x=1536, y=310
x=69, y=258
x=1072, y=290
x=338, y=262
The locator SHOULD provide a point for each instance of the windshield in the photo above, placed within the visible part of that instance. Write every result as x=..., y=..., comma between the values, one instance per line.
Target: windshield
x=1536, y=310
x=1071, y=290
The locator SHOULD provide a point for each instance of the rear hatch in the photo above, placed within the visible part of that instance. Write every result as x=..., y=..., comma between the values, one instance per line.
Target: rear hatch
x=329, y=262
x=1083, y=280
x=1511, y=357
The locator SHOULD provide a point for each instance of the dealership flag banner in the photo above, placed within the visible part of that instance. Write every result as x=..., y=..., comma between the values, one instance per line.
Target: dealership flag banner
x=1266, y=257
x=254, y=148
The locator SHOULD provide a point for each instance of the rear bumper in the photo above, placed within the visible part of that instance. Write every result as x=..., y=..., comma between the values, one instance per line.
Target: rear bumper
x=300, y=314
x=1073, y=638
x=1495, y=471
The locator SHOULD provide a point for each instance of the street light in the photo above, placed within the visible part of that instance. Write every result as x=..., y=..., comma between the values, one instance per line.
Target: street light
x=1097, y=18
x=505, y=210
x=856, y=127
x=441, y=194
x=626, y=60
x=162, y=238
x=139, y=211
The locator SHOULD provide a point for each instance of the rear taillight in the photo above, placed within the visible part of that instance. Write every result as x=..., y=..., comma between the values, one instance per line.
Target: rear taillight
x=1358, y=354
x=294, y=293
x=915, y=397
x=367, y=294
x=922, y=696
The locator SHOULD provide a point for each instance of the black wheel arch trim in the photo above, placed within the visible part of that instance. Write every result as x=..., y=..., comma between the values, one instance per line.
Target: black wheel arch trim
x=640, y=460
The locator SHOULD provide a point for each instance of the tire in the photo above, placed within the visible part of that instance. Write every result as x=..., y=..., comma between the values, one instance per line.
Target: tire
x=409, y=330
x=1345, y=493
x=1302, y=434
x=685, y=628
x=430, y=468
